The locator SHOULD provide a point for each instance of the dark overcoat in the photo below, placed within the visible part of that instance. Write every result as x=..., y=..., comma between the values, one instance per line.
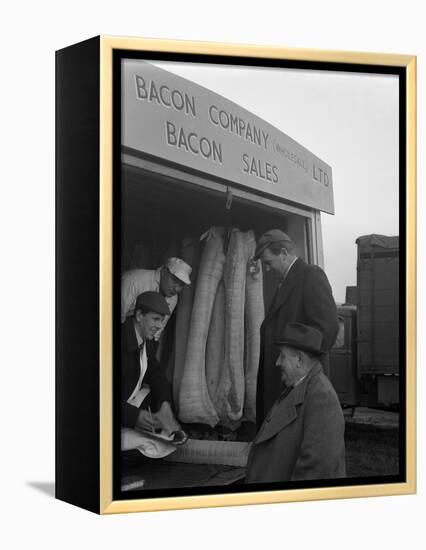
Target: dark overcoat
x=305, y=297
x=130, y=372
x=302, y=438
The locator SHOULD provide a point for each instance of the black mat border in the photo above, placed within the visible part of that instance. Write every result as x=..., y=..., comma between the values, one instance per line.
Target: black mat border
x=401, y=72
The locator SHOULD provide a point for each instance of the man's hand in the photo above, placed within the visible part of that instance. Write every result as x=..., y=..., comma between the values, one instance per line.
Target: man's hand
x=147, y=421
x=167, y=418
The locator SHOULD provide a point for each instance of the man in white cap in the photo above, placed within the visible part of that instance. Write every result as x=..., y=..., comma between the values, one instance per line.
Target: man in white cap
x=168, y=280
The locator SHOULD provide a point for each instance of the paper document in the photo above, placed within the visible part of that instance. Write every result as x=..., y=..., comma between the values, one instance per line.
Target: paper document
x=138, y=397
x=145, y=443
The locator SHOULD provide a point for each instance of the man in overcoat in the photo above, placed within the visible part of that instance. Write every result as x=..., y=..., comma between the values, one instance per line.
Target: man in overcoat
x=303, y=295
x=302, y=437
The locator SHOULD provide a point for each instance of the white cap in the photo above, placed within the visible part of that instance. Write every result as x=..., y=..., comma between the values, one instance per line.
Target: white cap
x=179, y=269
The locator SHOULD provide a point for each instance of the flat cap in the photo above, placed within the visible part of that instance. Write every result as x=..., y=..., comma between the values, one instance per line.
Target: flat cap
x=268, y=238
x=152, y=301
x=179, y=269
x=303, y=337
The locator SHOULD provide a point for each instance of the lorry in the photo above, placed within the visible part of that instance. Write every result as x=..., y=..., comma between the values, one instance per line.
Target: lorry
x=365, y=360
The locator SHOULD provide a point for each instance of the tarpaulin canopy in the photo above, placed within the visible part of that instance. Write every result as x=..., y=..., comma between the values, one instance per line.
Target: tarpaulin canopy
x=381, y=241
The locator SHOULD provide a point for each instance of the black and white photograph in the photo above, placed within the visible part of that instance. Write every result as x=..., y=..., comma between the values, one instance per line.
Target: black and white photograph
x=259, y=276
x=213, y=274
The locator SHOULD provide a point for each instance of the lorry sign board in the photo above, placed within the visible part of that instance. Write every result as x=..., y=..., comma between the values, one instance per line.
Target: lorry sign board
x=172, y=118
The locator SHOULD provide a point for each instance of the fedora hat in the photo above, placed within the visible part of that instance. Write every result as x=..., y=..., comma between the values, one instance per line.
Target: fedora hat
x=303, y=337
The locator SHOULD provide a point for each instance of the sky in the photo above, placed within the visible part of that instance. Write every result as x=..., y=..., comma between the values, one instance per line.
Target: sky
x=349, y=120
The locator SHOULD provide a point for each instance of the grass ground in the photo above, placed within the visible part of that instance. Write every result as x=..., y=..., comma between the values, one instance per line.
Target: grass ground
x=371, y=450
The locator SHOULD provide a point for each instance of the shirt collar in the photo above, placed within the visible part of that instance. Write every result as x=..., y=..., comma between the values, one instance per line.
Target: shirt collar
x=158, y=277
x=138, y=338
x=289, y=267
x=299, y=381
x=282, y=279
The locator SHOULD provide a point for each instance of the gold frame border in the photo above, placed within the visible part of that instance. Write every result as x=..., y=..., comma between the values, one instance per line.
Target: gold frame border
x=107, y=45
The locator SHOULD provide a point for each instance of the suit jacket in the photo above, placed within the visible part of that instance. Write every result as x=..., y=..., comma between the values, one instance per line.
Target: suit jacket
x=304, y=297
x=302, y=438
x=130, y=372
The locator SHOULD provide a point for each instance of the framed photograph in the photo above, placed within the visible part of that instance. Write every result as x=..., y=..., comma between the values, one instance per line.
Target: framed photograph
x=235, y=274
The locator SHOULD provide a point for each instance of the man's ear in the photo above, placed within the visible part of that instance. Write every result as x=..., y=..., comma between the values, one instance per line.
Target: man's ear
x=284, y=252
x=138, y=315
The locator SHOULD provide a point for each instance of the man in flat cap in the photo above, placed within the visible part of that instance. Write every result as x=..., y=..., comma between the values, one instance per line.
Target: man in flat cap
x=302, y=437
x=145, y=392
x=303, y=295
x=168, y=280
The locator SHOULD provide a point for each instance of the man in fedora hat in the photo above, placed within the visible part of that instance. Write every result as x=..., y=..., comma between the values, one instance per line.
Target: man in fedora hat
x=168, y=280
x=145, y=392
x=302, y=437
x=303, y=295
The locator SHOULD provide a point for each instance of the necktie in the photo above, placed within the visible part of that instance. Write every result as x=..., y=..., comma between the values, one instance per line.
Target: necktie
x=142, y=360
x=280, y=284
x=274, y=299
x=284, y=394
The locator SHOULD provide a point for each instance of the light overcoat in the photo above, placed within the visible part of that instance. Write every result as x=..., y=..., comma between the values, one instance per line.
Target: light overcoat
x=302, y=437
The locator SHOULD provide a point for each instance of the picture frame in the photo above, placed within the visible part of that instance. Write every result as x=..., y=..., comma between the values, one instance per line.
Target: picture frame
x=104, y=123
